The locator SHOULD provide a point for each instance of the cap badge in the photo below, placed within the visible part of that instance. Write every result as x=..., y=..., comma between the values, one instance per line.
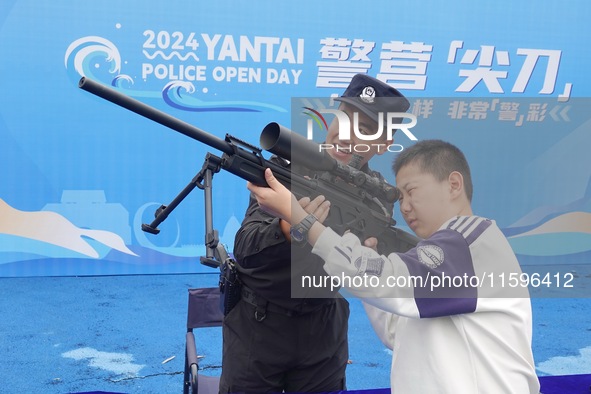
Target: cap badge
x=368, y=94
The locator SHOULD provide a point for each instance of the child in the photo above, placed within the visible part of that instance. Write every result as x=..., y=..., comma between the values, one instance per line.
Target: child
x=444, y=307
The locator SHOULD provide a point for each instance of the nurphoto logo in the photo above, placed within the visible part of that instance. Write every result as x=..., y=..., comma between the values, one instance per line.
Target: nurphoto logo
x=388, y=122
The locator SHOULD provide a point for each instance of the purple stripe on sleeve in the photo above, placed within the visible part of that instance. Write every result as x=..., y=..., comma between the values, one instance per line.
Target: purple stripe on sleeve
x=461, y=222
x=465, y=228
x=444, y=265
x=453, y=222
x=437, y=307
x=342, y=252
x=477, y=232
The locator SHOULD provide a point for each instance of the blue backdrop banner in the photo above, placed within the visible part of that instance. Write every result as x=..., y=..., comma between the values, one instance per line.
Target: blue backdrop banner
x=505, y=81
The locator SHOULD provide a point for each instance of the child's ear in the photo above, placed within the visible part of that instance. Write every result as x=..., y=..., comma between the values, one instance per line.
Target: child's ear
x=456, y=184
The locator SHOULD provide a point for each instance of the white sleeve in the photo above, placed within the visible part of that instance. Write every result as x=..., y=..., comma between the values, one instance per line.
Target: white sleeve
x=408, y=284
x=364, y=272
x=383, y=323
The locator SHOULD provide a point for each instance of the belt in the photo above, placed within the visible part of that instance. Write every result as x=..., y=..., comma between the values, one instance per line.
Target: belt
x=263, y=306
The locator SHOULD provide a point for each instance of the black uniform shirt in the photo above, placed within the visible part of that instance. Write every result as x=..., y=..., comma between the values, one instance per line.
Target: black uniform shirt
x=272, y=267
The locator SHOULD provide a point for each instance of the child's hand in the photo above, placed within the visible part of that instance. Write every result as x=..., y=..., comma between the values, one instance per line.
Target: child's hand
x=318, y=207
x=371, y=242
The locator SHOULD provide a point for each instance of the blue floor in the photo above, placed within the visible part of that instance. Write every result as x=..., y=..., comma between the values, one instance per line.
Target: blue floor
x=126, y=334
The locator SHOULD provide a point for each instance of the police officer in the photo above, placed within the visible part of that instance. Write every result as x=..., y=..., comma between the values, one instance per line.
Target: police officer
x=281, y=336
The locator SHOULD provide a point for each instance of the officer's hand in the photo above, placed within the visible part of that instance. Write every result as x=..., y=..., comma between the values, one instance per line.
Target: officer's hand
x=275, y=199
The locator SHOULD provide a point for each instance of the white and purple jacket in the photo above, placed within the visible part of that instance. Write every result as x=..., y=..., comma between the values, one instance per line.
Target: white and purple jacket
x=445, y=308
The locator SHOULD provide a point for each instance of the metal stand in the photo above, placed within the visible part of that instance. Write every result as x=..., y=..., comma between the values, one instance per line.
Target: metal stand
x=216, y=253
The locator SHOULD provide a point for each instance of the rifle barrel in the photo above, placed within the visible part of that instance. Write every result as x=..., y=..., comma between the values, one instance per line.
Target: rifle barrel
x=151, y=113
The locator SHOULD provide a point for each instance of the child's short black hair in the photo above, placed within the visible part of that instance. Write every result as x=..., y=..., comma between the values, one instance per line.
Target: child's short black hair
x=438, y=158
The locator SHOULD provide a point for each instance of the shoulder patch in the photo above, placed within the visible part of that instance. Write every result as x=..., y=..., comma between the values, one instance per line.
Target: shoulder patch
x=370, y=266
x=430, y=255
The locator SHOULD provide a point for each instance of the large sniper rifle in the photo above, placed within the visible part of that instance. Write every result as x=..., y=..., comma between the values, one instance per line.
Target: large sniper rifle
x=357, y=198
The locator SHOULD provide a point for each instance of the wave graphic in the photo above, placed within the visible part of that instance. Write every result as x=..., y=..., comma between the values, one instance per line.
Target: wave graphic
x=547, y=212
x=562, y=226
x=54, y=231
x=565, y=234
x=177, y=94
x=174, y=249
x=172, y=54
x=120, y=80
x=81, y=55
